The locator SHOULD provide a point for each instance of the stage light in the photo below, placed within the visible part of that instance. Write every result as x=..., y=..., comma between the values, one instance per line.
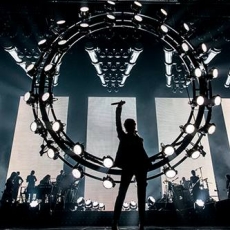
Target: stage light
x=162, y=15
x=52, y=153
x=63, y=45
x=50, y=70
x=95, y=205
x=34, y=203
x=110, y=6
x=57, y=126
x=213, y=73
x=108, y=161
x=38, y=127
x=84, y=12
x=168, y=150
x=88, y=204
x=110, y=20
x=136, y=7
x=170, y=172
x=30, y=98
x=125, y=206
x=199, y=205
x=137, y=19
x=84, y=28
x=194, y=153
x=31, y=70
x=199, y=100
x=101, y=206
x=163, y=29
x=108, y=182
x=78, y=149
x=81, y=202
x=188, y=128
x=184, y=47
x=216, y=100
x=151, y=202
x=133, y=205
x=209, y=128
x=43, y=45
x=78, y=172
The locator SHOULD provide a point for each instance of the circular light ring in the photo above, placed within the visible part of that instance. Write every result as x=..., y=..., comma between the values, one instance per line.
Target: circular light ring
x=73, y=36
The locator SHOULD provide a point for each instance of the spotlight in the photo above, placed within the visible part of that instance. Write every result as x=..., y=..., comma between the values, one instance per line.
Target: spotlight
x=209, y=128
x=88, y=204
x=151, y=202
x=162, y=15
x=84, y=12
x=101, y=206
x=108, y=182
x=57, y=126
x=133, y=205
x=108, y=161
x=78, y=149
x=137, y=19
x=110, y=19
x=31, y=70
x=50, y=70
x=170, y=172
x=110, y=6
x=199, y=100
x=38, y=127
x=212, y=73
x=77, y=172
x=195, y=152
x=216, y=100
x=199, y=205
x=43, y=45
x=125, y=206
x=84, y=28
x=30, y=98
x=81, y=202
x=168, y=150
x=188, y=128
x=136, y=7
x=63, y=45
x=52, y=153
x=95, y=205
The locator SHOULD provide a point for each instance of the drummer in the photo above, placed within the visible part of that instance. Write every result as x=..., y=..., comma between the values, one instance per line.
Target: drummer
x=185, y=183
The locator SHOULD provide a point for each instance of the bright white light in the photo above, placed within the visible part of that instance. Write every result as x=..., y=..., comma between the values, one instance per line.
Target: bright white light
x=27, y=96
x=211, y=129
x=51, y=153
x=185, y=47
x=45, y=96
x=108, y=183
x=217, y=100
x=77, y=173
x=138, y=18
x=34, y=203
x=169, y=150
x=108, y=162
x=200, y=100
x=164, y=28
x=200, y=203
x=33, y=126
x=170, y=173
x=197, y=72
x=195, y=154
x=56, y=126
x=78, y=149
x=189, y=128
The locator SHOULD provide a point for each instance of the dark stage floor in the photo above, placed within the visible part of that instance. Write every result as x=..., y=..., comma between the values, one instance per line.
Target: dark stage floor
x=167, y=217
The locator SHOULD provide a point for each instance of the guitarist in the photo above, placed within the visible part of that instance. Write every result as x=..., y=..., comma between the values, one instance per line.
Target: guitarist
x=194, y=185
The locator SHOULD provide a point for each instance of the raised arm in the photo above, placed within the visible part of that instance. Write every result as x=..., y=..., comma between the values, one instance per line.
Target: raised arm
x=120, y=130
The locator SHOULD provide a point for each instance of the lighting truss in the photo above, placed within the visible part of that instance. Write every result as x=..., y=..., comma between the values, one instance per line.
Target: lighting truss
x=47, y=77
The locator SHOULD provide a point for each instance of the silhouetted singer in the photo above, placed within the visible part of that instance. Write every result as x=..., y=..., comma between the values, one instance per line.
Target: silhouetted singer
x=133, y=160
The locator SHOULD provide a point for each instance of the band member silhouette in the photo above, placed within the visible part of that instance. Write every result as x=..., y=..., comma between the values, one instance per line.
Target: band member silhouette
x=133, y=160
x=194, y=185
x=30, y=190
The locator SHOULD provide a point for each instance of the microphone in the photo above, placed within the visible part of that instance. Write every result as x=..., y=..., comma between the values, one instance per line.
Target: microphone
x=118, y=103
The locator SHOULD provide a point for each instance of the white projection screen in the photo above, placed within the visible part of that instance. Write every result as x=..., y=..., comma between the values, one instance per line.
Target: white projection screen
x=26, y=144
x=171, y=114
x=102, y=141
